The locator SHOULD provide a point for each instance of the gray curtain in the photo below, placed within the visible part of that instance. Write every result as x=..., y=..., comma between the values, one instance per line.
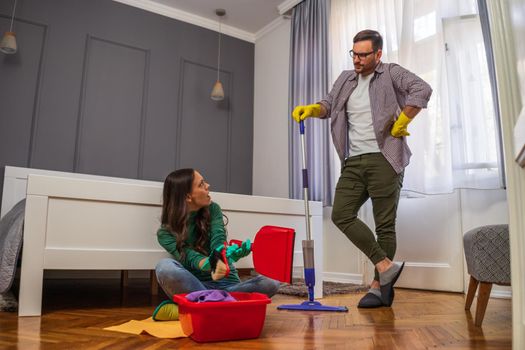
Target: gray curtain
x=489, y=50
x=309, y=82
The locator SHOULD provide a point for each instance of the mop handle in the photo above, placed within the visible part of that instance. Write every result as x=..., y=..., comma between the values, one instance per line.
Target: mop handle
x=305, y=182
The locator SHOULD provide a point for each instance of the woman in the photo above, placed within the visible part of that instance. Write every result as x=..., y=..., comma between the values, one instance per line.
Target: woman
x=192, y=229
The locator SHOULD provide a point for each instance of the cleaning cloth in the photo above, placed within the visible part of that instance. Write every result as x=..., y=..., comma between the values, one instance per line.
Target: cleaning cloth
x=208, y=295
x=167, y=329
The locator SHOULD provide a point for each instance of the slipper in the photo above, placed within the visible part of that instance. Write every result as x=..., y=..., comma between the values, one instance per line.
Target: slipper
x=370, y=301
x=387, y=290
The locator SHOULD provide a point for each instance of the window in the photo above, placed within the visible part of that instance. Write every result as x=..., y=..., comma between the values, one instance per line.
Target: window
x=473, y=128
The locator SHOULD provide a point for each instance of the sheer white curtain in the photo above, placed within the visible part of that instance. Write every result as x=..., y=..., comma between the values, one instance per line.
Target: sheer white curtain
x=454, y=143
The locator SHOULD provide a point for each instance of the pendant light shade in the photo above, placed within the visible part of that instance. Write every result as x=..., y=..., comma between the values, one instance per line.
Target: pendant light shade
x=8, y=42
x=217, y=93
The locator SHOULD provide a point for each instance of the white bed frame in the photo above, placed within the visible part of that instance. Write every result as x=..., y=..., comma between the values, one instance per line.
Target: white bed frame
x=86, y=222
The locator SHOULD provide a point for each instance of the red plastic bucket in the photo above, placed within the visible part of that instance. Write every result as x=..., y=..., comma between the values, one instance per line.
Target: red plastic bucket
x=219, y=321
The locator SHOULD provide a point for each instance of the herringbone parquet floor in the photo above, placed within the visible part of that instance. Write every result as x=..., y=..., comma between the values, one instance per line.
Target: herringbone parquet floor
x=75, y=313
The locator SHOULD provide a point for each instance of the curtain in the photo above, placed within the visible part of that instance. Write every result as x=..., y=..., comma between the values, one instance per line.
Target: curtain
x=455, y=140
x=487, y=39
x=309, y=82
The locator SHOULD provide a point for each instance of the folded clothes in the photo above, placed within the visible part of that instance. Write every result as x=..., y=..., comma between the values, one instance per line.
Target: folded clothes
x=209, y=295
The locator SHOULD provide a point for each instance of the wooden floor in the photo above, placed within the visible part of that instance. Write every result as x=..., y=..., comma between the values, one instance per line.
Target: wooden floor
x=75, y=313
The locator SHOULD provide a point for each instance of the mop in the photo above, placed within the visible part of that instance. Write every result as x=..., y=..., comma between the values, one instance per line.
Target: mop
x=308, y=251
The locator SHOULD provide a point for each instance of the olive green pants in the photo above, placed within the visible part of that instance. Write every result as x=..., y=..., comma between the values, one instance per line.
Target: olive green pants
x=362, y=177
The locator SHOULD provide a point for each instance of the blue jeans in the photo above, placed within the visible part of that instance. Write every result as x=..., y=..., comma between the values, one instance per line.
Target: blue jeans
x=175, y=279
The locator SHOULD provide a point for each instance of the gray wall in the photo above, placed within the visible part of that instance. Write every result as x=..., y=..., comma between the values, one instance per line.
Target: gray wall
x=102, y=88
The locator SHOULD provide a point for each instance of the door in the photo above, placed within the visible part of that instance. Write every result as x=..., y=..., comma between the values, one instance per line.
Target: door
x=429, y=240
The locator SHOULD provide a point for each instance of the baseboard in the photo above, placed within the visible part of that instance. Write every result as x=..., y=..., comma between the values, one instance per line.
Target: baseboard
x=354, y=278
x=93, y=274
x=501, y=294
x=297, y=272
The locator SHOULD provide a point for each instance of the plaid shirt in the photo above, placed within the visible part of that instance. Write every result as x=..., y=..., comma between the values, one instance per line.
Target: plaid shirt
x=392, y=88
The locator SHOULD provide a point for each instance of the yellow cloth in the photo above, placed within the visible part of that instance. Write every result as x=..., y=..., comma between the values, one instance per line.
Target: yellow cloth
x=159, y=329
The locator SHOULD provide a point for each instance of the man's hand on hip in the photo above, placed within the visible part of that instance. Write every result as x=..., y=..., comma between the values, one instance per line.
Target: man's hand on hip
x=400, y=126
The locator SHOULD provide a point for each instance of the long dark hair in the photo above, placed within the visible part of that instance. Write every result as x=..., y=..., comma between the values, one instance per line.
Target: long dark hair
x=177, y=187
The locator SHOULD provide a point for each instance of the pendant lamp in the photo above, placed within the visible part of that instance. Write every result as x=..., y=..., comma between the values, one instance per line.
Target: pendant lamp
x=8, y=43
x=217, y=93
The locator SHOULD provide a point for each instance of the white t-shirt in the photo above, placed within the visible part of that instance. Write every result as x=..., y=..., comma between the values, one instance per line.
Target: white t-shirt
x=361, y=130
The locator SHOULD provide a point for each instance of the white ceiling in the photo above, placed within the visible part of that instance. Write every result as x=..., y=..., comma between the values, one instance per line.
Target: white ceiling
x=247, y=15
x=244, y=19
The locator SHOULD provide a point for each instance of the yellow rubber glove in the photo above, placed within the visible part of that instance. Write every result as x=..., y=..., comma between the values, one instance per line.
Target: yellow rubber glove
x=302, y=112
x=400, y=126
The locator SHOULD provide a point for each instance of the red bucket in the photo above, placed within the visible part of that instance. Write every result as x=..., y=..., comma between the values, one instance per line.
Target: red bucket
x=220, y=321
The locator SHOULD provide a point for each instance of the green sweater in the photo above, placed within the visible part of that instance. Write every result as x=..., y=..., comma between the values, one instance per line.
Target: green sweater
x=216, y=238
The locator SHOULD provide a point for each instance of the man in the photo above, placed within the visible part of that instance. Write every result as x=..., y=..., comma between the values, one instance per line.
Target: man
x=371, y=107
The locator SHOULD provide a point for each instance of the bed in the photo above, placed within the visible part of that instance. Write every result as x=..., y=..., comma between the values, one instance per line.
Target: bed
x=87, y=222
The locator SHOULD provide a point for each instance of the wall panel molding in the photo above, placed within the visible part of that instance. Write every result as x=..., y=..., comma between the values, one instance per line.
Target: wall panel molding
x=36, y=101
x=36, y=95
x=225, y=104
x=101, y=88
x=88, y=53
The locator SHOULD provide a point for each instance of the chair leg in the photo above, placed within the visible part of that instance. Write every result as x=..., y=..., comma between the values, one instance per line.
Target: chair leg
x=154, y=283
x=472, y=286
x=483, y=299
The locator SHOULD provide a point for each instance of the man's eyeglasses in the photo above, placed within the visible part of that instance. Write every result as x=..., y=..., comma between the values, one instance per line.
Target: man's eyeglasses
x=361, y=55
